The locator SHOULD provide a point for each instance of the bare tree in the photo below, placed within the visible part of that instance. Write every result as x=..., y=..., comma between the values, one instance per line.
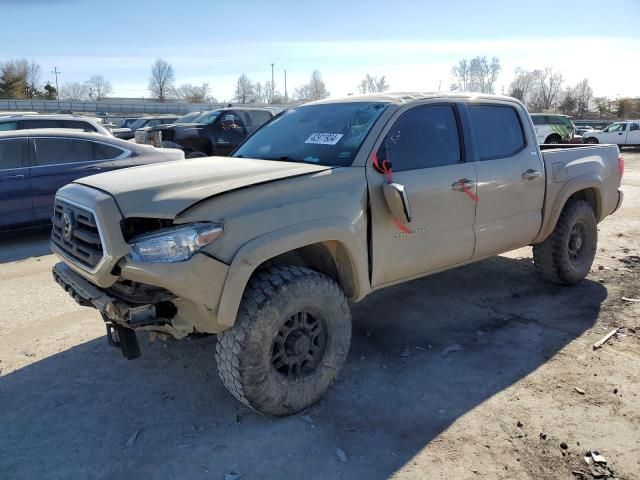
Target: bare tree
x=32, y=73
x=548, y=85
x=371, y=84
x=476, y=75
x=245, y=90
x=603, y=105
x=568, y=102
x=98, y=87
x=74, y=91
x=523, y=84
x=314, y=90
x=162, y=80
x=583, y=93
x=193, y=93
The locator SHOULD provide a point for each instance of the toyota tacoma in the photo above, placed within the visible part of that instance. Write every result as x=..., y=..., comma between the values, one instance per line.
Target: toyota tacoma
x=325, y=204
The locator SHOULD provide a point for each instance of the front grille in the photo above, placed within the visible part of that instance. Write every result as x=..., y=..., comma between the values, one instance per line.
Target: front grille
x=75, y=233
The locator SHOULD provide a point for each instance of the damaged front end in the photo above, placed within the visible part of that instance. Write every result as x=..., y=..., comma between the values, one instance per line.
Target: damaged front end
x=125, y=307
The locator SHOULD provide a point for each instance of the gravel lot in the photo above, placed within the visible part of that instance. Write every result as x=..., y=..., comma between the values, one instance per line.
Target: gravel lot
x=470, y=374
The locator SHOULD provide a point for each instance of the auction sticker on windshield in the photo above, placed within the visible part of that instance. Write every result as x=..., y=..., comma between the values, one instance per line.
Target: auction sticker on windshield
x=324, y=138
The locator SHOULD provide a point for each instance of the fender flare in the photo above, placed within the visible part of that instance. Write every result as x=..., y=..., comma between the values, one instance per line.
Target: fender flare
x=583, y=182
x=257, y=251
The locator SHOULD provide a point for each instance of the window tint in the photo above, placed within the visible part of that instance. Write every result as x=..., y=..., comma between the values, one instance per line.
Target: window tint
x=617, y=127
x=634, y=126
x=497, y=131
x=13, y=153
x=28, y=124
x=259, y=117
x=424, y=137
x=537, y=119
x=102, y=151
x=78, y=125
x=5, y=126
x=53, y=151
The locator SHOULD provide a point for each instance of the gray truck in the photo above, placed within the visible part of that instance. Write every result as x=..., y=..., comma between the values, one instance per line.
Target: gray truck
x=326, y=203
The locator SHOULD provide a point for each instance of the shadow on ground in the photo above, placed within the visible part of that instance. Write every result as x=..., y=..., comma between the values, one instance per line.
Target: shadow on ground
x=15, y=246
x=70, y=415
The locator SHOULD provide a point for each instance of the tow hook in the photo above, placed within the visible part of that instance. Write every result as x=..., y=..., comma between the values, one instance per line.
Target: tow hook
x=125, y=339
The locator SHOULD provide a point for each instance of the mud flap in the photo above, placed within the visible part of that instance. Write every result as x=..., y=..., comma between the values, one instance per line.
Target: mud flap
x=123, y=338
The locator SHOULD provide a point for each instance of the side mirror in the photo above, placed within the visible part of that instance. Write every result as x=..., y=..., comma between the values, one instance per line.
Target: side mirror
x=397, y=201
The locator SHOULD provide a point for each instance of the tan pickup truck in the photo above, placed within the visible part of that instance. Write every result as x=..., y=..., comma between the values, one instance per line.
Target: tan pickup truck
x=323, y=205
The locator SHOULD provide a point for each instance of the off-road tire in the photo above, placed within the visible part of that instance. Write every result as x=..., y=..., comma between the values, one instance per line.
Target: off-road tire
x=244, y=352
x=552, y=257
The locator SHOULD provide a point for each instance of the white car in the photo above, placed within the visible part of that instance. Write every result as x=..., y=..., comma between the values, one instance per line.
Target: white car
x=553, y=128
x=620, y=133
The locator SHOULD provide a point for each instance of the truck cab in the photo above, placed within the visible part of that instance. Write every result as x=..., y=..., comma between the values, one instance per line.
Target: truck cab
x=620, y=133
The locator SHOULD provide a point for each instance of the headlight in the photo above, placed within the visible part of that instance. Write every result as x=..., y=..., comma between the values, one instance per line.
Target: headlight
x=174, y=244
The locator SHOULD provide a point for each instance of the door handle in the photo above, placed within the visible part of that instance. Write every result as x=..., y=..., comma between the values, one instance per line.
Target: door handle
x=463, y=183
x=14, y=177
x=620, y=133
x=531, y=174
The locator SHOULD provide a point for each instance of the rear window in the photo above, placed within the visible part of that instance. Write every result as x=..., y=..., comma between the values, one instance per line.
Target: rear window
x=537, y=119
x=6, y=126
x=12, y=153
x=78, y=125
x=497, y=131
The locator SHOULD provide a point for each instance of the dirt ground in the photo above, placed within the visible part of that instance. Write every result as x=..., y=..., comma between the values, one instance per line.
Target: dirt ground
x=470, y=374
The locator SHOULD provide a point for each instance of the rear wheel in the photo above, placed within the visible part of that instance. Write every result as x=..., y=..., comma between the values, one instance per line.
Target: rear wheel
x=289, y=342
x=566, y=256
x=592, y=141
x=553, y=140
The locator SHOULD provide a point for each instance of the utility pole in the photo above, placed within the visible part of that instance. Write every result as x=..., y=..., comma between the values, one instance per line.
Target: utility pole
x=56, y=73
x=273, y=85
x=286, y=99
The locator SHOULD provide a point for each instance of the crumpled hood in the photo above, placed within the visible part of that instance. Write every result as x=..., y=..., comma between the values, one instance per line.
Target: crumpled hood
x=163, y=190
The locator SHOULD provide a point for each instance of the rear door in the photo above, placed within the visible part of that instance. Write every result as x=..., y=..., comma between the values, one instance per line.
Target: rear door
x=15, y=201
x=510, y=178
x=426, y=148
x=58, y=161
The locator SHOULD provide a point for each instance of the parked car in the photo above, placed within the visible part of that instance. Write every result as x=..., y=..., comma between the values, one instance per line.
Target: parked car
x=581, y=130
x=141, y=133
x=620, y=133
x=76, y=122
x=266, y=248
x=214, y=133
x=553, y=129
x=129, y=133
x=36, y=163
x=126, y=122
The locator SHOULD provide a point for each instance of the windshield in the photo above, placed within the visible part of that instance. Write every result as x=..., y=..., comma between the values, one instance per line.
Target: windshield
x=139, y=123
x=329, y=134
x=188, y=118
x=208, y=117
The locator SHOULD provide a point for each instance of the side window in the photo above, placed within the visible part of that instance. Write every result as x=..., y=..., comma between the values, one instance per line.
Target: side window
x=54, y=151
x=424, y=137
x=6, y=126
x=497, y=131
x=259, y=117
x=634, y=126
x=537, y=119
x=13, y=153
x=28, y=124
x=617, y=127
x=78, y=125
x=102, y=151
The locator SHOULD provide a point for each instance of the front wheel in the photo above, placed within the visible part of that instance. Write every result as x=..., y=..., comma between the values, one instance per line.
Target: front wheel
x=566, y=256
x=290, y=340
x=591, y=141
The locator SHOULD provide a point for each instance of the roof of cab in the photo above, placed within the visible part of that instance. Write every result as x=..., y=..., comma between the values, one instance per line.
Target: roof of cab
x=401, y=98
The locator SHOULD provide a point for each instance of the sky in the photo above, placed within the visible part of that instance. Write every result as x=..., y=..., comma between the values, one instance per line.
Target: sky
x=413, y=43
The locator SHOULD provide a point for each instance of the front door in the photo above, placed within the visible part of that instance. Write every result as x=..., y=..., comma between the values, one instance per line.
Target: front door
x=425, y=148
x=615, y=134
x=511, y=179
x=15, y=202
